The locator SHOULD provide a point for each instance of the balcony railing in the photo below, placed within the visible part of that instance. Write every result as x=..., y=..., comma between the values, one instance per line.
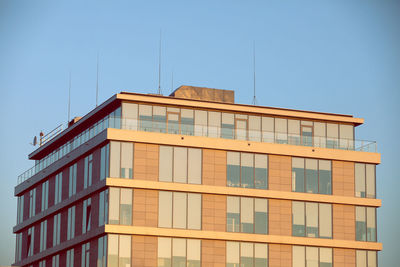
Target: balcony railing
x=197, y=130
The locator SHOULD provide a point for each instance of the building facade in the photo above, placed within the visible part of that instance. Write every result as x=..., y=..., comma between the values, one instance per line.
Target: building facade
x=194, y=180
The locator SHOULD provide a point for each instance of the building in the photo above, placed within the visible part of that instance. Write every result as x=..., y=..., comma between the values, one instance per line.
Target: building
x=195, y=180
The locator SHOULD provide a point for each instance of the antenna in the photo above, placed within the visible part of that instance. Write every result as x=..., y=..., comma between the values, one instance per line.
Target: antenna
x=97, y=80
x=159, y=68
x=254, y=73
x=69, y=97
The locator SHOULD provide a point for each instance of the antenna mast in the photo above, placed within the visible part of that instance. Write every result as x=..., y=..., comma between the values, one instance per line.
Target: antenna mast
x=69, y=98
x=97, y=80
x=254, y=73
x=159, y=68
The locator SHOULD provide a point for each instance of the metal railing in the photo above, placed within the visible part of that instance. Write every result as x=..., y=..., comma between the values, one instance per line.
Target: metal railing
x=197, y=130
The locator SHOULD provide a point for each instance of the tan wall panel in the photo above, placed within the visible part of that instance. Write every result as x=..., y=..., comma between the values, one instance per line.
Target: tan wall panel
x=280, y=255
x=213, y=253
x=280, y=217
x=280, y=173
x=144, y=251
x=145, y=207
x=344, y=257
x=214, y=167
x=343, y=222
x=145, y=162
x=214, y=213
x=343, y=178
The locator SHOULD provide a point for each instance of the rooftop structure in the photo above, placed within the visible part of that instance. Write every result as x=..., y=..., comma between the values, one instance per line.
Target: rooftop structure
x=193, y=179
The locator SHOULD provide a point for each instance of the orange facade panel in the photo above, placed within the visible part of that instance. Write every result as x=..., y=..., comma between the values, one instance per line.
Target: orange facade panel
x=146, y=162
x=280, y=217
x=144, y=251
x=214, y=213
x=145, y=207
x=344, y=257
x=213, y=253
x=280, y=173
x=214, y=167
x=280, y=255
x=343, y=178
x=343, y=222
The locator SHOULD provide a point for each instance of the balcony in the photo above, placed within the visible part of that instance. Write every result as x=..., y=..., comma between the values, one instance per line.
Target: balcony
x=189, y=128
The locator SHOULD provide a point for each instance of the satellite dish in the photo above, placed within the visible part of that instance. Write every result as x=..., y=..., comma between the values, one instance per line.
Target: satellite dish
x=34, y=141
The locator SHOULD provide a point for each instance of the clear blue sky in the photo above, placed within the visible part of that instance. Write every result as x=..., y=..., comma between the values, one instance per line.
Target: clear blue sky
x=338, y=56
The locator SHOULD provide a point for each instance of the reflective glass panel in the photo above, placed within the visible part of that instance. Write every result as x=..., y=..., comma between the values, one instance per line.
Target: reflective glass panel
x=165, y=164
x=298, y=174
x=233, y=169
x=261, y=171
x=180, y=164
x=247, y=215
x=179, y=210
x=298, y=217
x=261, y=216
x=325, y=177
x=312, y=176
x=247, y=170
x=233, y=215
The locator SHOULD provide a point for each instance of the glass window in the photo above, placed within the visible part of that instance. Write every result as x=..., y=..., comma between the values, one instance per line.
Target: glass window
x=227, y=126
x=255, y=128
x=159, y=119
x=360, y=224
x=194, y=211
x=298, y=175
x=325, y=220
x=332, y=132
x=372, y=259
x=247, y=170
x=325, y=257
x=214, y=124
x=115, y=159
x=178, y=252
x=126, y=207
x=126, y=160
x=129, y=114
x=281, y=131
x=241, y=126
x=124, y=250
x=104, y=161
x=261, y=171
x=306, y=133
x=361, y=258
x=200, y=127
x=164, y=252
x=312, y=176
x=193, y=252
x=187, y=122
x=194, y=166
x=298, y=217
x=370, y=180
x=371, y=224
x=346, y=137
x=180, y=165
x=261, y=216
x=312, y=219
x=179, y=210
x=360, y=179
x=233, y=169
x=112, y=250
x=246, y=254
x=165, y=209
x=165, y=165
x=325, y=177
x=319, y=134
x=294, y=132
x=173, y=121
x=247, y=215
x=232, y=254
x=260, y=255
x=233, y=214
x=268, y=129
x=312, y=256
x=146, y=118
x=114, y=205
x=299, y=256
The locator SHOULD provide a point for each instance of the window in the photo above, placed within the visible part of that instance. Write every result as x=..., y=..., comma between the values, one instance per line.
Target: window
x=130, y=116
x=43, y=236
x=346, y=137
x=30, y=241
x=311, y=257
x=214, y=124
x=72, y=180
x=241, y=129
x=87, y=178
x=179, y=210
x=45, y=196
x=58, y=189
x=332, y=133
x=247, y=215
x=145, y=116
x=366, y=258
x=311, y=176
x=245, y=254
x=18, y=247
x=366, y=224
x=247, y=170
x=87, y=215
x=364, y=180
x=20, y=209
x=119, y=250
x=227, y=126
x=255, y=128
x=121, y=206
x=121, y=165
x=56, y=229
x=180, y=165
x=85, y=255
x=55, y=261
x=159, y=119
x=311, y=219
x=42, y=263
x=32, y=202
x=102, y=251
x=104, y=161
x=70, y=258
x=103, y=208
x=71, y=223
x=187, y=122
x=176, y=252
x=200, y=120
x=267, y=128
x=281, y=136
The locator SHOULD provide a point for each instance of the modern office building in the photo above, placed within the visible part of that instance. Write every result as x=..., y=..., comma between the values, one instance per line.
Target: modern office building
x=193, y=179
